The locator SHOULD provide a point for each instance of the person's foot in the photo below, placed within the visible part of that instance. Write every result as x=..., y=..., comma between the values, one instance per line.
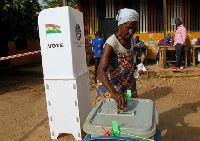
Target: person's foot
x=182, y=67
x=175, y=68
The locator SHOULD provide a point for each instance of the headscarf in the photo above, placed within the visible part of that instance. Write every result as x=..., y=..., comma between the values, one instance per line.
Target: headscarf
x=168, y=36
x=126, y=15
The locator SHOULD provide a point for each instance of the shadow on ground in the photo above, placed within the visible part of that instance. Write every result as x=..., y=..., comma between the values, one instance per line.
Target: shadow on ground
x=177, y=129
x=156, y=93
x=20, y=77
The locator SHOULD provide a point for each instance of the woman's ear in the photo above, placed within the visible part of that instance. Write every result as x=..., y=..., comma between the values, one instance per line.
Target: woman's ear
x=120, y=26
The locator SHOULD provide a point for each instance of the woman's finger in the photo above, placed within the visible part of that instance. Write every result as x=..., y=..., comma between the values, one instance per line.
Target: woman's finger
x=120, y=103
x=123, y=102
x=126, y=102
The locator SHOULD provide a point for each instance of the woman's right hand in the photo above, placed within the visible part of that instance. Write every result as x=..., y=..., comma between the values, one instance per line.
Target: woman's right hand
x=120, y=100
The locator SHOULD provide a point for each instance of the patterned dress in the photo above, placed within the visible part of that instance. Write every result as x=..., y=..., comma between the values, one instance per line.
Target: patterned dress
x=120, y=71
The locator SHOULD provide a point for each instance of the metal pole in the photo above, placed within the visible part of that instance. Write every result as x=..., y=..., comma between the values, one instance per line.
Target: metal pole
x=165, y=26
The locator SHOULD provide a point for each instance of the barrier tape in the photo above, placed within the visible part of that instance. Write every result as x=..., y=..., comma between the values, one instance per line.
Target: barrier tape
x=19, y=55
x=28, y=53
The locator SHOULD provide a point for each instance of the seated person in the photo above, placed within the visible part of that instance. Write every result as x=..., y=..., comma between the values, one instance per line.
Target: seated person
x=139, y=50
x=198, y=51
x=168, y=43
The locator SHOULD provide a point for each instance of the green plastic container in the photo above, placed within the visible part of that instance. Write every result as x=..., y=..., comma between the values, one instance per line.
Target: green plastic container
x=139, y=119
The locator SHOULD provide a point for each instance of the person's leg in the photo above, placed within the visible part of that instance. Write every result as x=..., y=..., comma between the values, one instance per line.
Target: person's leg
x=157, y=62
x=97, y=61
x=135, y=58
x=95, y=71
x=198, y=51
x=182, y=56
x=157, y=58
x=142, y=58
x=178, y=55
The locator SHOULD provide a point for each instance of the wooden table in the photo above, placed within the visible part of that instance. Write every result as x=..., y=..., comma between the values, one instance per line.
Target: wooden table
x=170, y=48
x=193, y=47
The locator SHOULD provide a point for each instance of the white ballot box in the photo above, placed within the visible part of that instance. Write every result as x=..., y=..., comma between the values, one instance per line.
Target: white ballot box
x=66, y=77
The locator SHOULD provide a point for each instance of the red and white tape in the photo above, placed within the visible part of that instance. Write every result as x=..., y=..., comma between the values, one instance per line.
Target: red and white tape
x=19, y=55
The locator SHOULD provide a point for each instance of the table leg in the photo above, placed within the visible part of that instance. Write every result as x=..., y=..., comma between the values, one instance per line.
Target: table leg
x=194, y=51
x=190, y=62
x=186, y=52
x=161, y=58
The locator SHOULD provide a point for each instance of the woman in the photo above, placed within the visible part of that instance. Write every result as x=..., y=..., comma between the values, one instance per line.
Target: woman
x=116, y=68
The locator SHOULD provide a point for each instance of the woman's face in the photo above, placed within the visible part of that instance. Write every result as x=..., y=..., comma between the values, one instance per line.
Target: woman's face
x=128, y=29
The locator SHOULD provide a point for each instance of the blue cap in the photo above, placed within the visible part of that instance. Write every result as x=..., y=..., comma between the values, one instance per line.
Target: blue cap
x=168, y=36
x=198, y=40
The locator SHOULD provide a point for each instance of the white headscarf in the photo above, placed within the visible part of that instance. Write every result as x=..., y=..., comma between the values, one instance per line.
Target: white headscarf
x=126, y=15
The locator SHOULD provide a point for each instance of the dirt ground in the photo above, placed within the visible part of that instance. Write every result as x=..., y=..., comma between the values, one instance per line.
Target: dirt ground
x=23, y=112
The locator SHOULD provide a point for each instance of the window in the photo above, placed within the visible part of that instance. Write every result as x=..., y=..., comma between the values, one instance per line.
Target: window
x=93, y=17
x=152, y=16
x=110, y=9
x=195, y=16
x=174, y=10
x=85, y=8
x=143, y=16
x=159, y=16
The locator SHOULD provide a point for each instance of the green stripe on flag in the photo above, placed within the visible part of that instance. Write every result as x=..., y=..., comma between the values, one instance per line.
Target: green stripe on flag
x=52, y=31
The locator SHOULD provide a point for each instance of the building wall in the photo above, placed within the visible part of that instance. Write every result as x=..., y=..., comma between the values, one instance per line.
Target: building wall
x=32, y=46
x=151, y=17
x=152, y=41
x=152, y=50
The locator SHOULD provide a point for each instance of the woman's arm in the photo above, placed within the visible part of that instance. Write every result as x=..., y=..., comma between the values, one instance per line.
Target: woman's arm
x=103, y=67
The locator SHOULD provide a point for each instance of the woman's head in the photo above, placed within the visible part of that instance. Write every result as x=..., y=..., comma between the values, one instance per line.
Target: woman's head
x=127, y=22
x=127, y=15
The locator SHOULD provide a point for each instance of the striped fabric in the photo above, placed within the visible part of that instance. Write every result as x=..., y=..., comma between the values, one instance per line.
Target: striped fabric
x=121, y=75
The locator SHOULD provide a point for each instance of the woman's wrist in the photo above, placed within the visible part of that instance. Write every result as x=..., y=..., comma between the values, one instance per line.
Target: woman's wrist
x=115, y=94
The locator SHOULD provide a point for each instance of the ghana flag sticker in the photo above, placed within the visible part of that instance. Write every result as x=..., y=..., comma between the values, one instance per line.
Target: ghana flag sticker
x=52, y=28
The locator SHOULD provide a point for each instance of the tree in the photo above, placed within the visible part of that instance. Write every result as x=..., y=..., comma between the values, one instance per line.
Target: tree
x=58, y=3
x=19, y=16
x=52, y=3
x=18, y=23
x=71, y=3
